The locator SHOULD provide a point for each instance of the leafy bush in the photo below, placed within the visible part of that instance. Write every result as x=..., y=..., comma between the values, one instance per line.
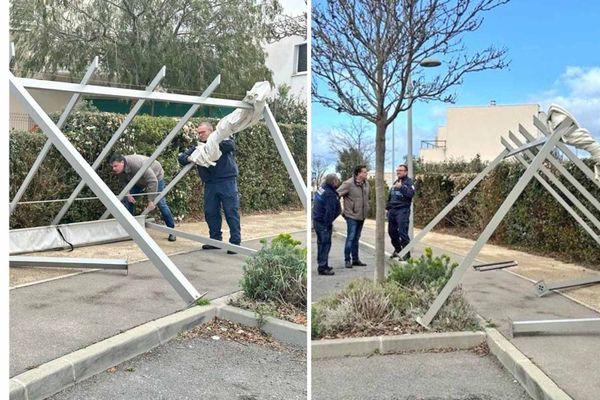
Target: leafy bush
x=425, y=271
x=372, y=199
x=277, y=272
x=260, y=187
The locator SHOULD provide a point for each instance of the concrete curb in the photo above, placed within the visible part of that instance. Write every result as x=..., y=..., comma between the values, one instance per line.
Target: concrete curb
x=284, y=331
x=537, y=384
x=56, y=375
x=65, y=371
x=394, y=344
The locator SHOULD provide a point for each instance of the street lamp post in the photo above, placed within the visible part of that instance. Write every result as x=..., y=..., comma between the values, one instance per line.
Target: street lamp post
x=427, y=63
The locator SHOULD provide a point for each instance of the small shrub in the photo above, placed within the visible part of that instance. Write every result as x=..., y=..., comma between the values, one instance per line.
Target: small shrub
x=425, y=271
x=367, y=308
x=277, y=272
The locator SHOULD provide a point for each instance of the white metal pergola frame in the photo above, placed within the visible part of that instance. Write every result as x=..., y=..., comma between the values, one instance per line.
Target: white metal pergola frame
x=532, y=153
x=18, y=88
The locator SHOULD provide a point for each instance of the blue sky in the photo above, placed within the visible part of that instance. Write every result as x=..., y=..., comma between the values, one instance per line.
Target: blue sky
x=554, y=49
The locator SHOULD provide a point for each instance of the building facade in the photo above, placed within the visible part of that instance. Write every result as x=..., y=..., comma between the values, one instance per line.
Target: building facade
x=472, y=131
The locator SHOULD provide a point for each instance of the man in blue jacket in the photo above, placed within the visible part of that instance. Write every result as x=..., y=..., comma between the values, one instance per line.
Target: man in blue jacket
x=220, y=189
x=326, y=208
x=398, y=207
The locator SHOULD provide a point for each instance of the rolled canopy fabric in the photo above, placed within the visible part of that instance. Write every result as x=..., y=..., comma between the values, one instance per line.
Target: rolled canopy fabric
x=580, y=137
x=206, y=154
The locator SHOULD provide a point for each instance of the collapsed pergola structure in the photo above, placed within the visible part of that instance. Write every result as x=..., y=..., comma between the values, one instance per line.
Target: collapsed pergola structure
x=559, y=128
x=134, y=227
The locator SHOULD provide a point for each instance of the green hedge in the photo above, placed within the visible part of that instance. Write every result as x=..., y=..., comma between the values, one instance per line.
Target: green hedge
x=536, y=222
x=264, y=183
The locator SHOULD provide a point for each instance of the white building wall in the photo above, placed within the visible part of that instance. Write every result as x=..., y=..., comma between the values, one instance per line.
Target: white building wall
x=281, y=60
x=50, y=101
x=477, y=130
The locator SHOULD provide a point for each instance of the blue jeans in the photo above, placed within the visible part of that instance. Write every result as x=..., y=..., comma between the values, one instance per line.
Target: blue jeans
x=352, y=237
x=162, y=204
x=223, y=194
x=324, y=233
x=398, y=219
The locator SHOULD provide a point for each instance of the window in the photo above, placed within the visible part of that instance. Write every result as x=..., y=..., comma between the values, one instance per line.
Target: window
x=300, y=58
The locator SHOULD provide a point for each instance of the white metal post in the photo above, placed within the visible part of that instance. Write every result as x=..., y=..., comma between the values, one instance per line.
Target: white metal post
x=286, y=156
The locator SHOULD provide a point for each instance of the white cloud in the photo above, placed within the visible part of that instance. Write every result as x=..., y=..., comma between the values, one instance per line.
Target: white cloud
x=578, y=91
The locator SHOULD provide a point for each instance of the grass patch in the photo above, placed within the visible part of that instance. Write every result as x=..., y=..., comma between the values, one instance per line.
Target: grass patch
x=202, y=301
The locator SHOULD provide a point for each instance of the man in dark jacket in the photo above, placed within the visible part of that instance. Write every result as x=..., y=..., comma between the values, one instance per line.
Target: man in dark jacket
x=398, y=207
x=326, y=208
x=220, y=189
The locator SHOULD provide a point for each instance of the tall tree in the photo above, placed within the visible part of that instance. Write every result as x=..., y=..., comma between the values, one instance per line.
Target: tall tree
x=348, y=160
x=195, y=39
x=365, y=52
x=319, y=167
x=357, y=135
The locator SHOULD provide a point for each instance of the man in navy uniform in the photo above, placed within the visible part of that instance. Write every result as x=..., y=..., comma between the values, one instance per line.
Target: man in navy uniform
x=326, y=208
x=398, y=207
x=220, y=189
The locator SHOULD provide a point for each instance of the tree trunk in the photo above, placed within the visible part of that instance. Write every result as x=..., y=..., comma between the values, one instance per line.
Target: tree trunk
x=380, y=201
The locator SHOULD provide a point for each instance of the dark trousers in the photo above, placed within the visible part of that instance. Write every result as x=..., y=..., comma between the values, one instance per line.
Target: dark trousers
x=165, y=211
x=354, y=229
x=223, y=195
x=398, y=220
x=324, y=233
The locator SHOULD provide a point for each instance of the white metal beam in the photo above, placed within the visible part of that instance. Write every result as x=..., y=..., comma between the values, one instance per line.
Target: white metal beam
x=167, y=268
x=514, y=194
x=556, y=326
x=197, y=238
x=66, y=262
x=48, y=145
x=166, y=141
x=108, y=91
x=107, y=148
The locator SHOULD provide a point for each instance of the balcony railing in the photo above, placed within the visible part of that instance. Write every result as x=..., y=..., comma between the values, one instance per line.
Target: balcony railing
x=21, y=122
x=433, y=144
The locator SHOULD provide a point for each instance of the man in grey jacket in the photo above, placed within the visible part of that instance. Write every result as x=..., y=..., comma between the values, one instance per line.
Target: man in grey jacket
x=152, y=181
x=355, y=192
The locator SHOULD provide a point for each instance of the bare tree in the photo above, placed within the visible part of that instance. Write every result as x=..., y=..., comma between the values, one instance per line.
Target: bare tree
x=284, y=25
x=357, y=136
x=365, y=51
x=319, y=168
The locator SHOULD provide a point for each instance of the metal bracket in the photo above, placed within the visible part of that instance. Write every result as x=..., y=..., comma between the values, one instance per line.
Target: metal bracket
x=542, y=288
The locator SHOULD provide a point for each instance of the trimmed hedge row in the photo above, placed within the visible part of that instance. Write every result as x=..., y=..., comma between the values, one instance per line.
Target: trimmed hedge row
x=535, y=222
x=264, y=183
